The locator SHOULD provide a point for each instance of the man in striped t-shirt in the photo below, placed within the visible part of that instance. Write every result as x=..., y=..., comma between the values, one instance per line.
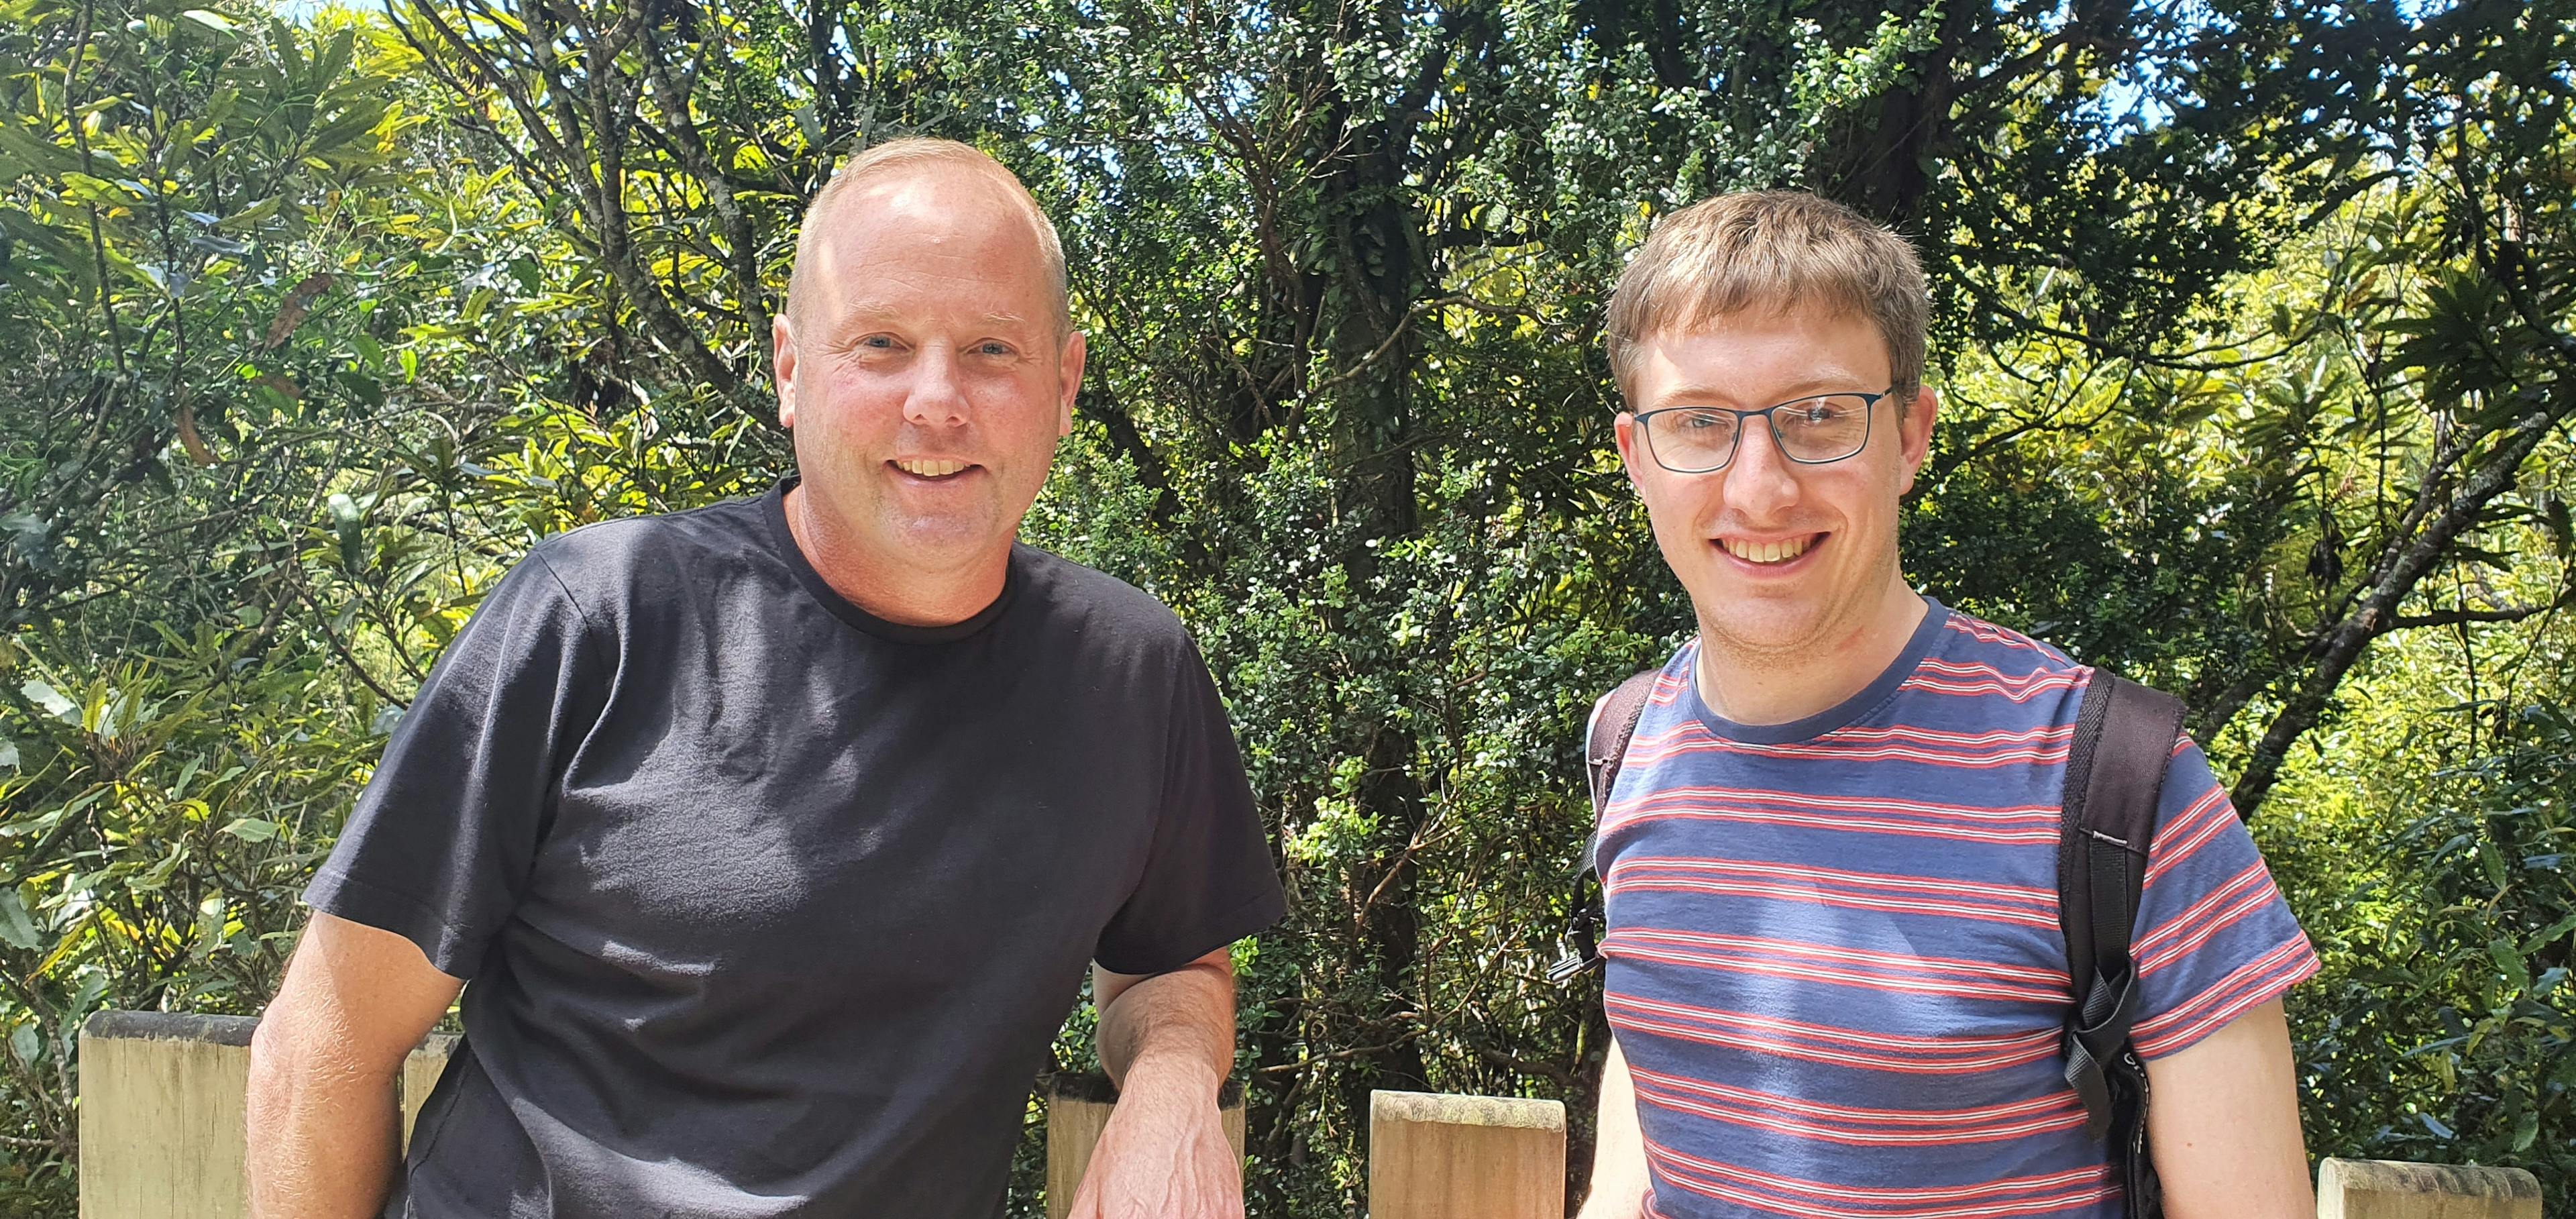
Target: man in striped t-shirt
x=1836, y=977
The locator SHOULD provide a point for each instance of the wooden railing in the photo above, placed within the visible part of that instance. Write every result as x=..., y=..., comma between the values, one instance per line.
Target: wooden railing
x=162, y=1117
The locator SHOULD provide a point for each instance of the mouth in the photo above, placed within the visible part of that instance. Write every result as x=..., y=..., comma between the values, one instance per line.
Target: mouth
x=1773, y=554
x=933, y=469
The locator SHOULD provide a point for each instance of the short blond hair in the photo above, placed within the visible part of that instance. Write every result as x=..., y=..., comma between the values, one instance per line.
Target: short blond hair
x=1780, y=251
x=912, y=154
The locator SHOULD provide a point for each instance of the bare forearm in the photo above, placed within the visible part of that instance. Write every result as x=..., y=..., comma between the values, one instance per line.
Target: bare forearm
x=323, y=1134
x=1619, y=1177
x=323, y=1128
x=1172, y=1029
x=1167, y=1040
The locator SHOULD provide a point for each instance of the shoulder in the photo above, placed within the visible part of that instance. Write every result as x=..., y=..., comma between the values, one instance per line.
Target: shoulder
x=1972, y=639
x=613, y=561
x=1975, y=675
x=1107, y=614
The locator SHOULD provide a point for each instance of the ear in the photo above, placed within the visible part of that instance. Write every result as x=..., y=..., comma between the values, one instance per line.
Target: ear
x=1629, y=456
x=782, y=369
x=1914, y=428
x=1069, y=370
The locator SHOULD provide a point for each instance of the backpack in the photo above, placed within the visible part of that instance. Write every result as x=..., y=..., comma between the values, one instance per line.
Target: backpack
x=2115, y=770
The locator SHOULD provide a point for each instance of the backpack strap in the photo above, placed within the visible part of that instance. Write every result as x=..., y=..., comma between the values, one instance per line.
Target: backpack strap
x=1605, y=749
x=2115, y=771
x=1614, y=724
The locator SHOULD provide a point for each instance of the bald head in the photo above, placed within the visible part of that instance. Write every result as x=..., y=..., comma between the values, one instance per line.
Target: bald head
x=908, y=174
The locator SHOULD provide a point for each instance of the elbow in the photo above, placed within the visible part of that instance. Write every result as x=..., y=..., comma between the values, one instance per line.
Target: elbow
x=298, y=1053
x=279, y=1055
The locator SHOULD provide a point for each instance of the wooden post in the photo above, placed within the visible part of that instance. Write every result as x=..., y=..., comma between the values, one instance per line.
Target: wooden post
x=165, y=1113
x=1078, y=1107
x=1465, y=1157
x=420, y=1074
x=163, y=1108
x=2389, y=1189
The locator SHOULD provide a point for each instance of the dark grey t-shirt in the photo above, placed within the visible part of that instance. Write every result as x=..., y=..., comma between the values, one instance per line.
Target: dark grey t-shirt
x=770, y=907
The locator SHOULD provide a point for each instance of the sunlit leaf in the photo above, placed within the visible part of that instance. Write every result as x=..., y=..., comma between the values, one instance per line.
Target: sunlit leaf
x=52, y=701
x=16, y=928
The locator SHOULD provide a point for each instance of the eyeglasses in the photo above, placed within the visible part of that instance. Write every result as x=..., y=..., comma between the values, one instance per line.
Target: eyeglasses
x=1811, y=431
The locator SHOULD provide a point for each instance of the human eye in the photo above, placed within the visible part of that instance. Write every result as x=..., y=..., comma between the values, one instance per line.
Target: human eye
x=1701, y=421
x=993, y=347
x=1825, y=412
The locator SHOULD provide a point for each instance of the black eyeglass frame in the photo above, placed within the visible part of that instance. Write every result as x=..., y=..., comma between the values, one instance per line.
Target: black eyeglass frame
x=1869, y=427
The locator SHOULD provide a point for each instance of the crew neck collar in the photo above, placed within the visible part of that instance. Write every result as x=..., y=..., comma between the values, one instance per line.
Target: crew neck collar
x=1926, y=638
x=773, y=511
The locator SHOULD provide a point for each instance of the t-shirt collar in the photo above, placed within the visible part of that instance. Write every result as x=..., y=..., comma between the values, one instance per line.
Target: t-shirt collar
x=773, y=509
x=1925, y=640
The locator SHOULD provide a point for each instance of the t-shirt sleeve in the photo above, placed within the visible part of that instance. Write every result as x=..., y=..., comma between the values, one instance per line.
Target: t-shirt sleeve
x=2214, y=937
x=441, y=843
x=1209, y=879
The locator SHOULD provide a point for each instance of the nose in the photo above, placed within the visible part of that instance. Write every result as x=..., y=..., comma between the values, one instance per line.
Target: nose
x=937, y=396
x=1761, y=481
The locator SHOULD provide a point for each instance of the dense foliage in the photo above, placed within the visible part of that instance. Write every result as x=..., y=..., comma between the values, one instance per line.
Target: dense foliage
x=2256, y=334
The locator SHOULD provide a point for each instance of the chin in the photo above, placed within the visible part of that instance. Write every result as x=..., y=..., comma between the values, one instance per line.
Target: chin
x=1761, y=639
x=1762, y=625
x=945, y=541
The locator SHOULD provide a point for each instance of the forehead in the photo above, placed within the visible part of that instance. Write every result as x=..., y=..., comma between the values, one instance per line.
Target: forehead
x=933, y=238
x=1757, y=357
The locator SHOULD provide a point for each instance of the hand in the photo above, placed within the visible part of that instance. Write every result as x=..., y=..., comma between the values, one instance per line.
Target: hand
x=1164, y=1154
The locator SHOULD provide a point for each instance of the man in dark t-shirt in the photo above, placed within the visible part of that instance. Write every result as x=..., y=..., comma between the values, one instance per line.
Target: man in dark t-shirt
x=769, y=842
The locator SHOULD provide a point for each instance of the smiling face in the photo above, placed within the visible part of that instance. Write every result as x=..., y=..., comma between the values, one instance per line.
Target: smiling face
x=926, y=374
x=1781, y=559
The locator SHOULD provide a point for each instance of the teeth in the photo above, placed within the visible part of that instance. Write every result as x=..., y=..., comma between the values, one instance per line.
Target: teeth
x=929, y=469
x=1767, y=552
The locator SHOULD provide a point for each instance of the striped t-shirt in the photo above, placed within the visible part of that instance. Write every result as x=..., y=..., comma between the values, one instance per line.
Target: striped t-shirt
x=1835, y=965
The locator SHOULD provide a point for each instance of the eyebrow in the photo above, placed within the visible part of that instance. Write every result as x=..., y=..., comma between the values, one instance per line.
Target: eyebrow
x=866, y=311
x=1823, y=383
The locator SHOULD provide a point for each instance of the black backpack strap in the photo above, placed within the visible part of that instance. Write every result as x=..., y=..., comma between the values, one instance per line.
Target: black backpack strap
x=1614, y=724
x=1605, y=749
x=2115, y=771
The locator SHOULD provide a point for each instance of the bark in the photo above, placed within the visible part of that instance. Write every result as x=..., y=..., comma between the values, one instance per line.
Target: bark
x=742, y=245
x=581, y=132
x=2374, y=613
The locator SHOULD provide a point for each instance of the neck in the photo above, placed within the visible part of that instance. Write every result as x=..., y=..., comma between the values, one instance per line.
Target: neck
x=1767, y=687
x=898, y=593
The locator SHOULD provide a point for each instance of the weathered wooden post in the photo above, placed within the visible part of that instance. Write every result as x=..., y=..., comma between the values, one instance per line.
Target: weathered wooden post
x=1465, y=1157
x=420, y=1074
x=1078, y=1108
x=164, y=1113
x=163, y=1108
x=2388, y=1189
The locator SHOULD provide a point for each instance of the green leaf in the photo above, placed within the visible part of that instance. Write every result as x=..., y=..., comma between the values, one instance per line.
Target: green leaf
x=216, y=22
x=2510, y=961
x=9, y=753
x=345, y=522
x=52, y=701
x=252, y=829
x=15, y=927
x=2549, y=936
x=24, y=1043
x=2493, y=862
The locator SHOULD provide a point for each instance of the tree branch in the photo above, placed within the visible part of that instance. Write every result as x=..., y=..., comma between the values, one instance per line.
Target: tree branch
x=2336, y=649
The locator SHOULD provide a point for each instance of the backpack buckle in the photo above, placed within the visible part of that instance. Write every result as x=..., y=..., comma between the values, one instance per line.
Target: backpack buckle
x=1571, y=962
